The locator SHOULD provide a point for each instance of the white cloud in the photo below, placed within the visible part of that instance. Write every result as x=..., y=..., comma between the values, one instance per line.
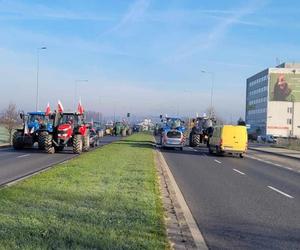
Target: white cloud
x=204, y=41
x=135, y=12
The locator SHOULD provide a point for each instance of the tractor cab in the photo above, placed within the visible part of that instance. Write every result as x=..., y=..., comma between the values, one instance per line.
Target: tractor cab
x=38, y=121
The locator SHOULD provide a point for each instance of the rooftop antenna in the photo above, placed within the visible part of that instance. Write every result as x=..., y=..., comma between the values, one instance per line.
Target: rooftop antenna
x=277, y=61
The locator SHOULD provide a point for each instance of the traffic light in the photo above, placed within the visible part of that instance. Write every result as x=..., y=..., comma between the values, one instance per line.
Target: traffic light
x=128, y=115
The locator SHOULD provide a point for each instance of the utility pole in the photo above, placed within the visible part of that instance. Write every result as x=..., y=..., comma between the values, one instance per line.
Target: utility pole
x=37, y=76
x=293, y=113
x=212, y=74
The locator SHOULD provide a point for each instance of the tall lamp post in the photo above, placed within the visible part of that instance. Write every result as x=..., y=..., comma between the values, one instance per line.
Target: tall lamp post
x=212, y=74
x=37, y=76
x=75, y=91
x=293, y=113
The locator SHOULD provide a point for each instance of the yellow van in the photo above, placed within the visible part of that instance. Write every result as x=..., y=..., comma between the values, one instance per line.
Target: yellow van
x=228, y=139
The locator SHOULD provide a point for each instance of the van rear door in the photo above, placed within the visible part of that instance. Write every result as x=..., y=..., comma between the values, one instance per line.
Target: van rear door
x=234, y=138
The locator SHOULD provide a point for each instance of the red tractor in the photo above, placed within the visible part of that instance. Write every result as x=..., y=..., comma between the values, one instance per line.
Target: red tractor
x=69, y=129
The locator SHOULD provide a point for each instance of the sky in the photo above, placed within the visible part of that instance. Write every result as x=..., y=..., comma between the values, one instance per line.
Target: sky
x=146, y=57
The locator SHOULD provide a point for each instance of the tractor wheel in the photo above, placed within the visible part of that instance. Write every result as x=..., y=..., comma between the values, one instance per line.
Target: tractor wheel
x=86, y=142
x=124, y=132
x=16, y=143
x=48, y=144
x=41, y=140
x=129, y=131
x=195, y=140
x=77, y=144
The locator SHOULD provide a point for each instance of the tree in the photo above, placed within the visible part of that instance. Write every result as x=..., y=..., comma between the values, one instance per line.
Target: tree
x=9, y=119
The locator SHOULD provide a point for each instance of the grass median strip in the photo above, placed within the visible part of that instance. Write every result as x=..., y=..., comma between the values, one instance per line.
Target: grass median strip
x=105, y=199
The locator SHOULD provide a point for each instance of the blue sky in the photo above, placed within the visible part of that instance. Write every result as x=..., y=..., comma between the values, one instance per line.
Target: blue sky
x=143, y=56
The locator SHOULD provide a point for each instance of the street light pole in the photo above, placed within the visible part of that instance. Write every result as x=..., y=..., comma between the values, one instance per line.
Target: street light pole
x=293, y=113
x=75, y=91
x=212, y=88
x=37, y=77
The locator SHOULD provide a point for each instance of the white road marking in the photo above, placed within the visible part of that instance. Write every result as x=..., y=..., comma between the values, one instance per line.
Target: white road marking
x=269, y=162
x=218, y=161
x=283, y=193
x=239, y=171
x=21, y=156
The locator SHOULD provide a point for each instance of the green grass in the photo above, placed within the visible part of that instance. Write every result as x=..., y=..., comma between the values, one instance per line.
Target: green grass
x=105, y=199
x=3, y=135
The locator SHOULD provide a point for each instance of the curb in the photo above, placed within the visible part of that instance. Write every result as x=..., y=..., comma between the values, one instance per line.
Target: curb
x=189, y=236
x=5, y=146
x=274, y=153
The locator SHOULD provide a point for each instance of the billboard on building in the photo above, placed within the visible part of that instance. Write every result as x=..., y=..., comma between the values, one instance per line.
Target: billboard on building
x=284, y=87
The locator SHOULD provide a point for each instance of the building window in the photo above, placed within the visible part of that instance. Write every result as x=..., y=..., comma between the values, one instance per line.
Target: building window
x=290, y=110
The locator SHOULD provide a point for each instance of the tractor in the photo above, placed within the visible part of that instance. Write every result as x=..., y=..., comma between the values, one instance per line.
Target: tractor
x=201, y=129
x=122, y=128
x=36, y=125
x=118, y=129
x=69, y=129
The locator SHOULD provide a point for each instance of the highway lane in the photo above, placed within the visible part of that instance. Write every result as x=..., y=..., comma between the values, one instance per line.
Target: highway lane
x=239, y=203
x=16, y=164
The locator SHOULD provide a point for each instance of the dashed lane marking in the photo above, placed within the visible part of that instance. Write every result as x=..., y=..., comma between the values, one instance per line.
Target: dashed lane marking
x=278, y=191
x=240, y=172
x=217, y=161
x=21, y=156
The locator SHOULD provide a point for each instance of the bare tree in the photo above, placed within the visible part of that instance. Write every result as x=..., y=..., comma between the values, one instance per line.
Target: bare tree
x=9, y=119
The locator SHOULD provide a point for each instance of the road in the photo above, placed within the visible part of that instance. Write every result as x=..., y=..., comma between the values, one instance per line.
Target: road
x=250, y=203
x=16, y=164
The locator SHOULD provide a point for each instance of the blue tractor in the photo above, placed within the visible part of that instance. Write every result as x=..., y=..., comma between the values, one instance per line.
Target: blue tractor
x=36, y=126
x=173, y=133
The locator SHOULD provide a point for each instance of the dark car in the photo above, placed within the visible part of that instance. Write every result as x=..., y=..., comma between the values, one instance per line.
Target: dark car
x=136, y=128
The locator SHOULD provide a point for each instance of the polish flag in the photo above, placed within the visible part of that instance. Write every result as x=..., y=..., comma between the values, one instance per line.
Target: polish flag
x=80, y=109
x=48, y=110
x=60, y=107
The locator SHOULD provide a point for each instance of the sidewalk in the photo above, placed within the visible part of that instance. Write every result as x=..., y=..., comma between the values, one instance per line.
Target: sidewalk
x=276, y=151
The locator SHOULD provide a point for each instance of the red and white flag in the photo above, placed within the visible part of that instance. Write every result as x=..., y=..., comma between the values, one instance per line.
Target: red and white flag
x=80, y=109
x=48, y=110
x=60, y=108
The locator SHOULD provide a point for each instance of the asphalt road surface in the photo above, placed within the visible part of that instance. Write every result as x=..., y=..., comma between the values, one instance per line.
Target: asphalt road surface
x=250, y=203
x=16, y=164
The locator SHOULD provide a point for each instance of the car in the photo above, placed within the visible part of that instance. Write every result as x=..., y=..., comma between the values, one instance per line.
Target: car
x=266, y=139
x=271, y=139
x=172, y=133
x=94, y=138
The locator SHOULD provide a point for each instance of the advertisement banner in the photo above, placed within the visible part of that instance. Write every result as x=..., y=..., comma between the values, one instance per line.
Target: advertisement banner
x=284, y=87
